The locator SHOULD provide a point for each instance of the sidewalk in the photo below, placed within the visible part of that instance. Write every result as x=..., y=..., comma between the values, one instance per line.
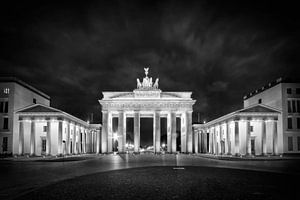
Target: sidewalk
x=247, y=158
x=50, y=158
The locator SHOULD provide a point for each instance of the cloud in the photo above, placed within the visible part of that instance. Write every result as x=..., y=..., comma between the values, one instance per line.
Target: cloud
x=75, y=53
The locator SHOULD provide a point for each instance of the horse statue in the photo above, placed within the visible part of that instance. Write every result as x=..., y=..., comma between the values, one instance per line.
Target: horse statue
x=156, y=84
x=139, y=85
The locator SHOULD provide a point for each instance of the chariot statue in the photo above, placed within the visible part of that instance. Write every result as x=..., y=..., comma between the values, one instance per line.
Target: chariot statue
x=147, y=83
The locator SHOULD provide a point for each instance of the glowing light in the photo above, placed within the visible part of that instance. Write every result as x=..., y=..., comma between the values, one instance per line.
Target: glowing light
x=163, y=145
x=204, y=122
x=115, y=136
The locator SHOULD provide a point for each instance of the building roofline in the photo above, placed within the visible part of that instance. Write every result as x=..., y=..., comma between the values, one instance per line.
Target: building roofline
x=19, y=111
x=270, y=85
x=26, y=85
x=239, y=112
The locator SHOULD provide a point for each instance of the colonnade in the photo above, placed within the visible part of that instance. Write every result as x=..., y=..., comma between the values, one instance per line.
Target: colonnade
x=107, y=135
x=61, y=136
x=244, y=136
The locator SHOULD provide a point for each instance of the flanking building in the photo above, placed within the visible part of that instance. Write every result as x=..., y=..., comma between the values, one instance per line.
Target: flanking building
x=283, y=95
x=44, y=130
x=249, y=131
x=29, y=126
x=269, y=123
x=15, y=94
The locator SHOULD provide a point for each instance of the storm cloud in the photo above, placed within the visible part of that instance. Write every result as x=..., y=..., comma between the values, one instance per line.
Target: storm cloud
x=218, y=50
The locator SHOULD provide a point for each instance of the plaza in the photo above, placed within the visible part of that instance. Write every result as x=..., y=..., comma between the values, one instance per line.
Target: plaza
x=91, y=176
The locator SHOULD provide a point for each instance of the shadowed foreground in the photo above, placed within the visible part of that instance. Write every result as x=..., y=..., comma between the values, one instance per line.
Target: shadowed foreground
x=168, y=183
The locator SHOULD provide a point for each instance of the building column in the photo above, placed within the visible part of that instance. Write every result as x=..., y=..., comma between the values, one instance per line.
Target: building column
x=99, y=143
x=248, y=138
x=259, y=137
x=189, y=132
x=48, y=138
x=84, y=141
x=68, y=139
x=215, y=141
x=275, y=137
x=243, y=136
x=121, y=131
x=136, y=132
x=169, y=133
x=196, y=138
x=219, y=139
x=235, y=138
x=80, y=140
x=270, y=136
x=210, y=138
x=124, y=131
x=200, y=141
x=263, y=136
x=110, y=133
x=59, y=145
x=75, y=139
x=32, y=138
x=21, y=137
x=227, y=139
x=156, y=132
x=183, y=133
x=104, y=138
x=204, y=141
x=88, y=141
x=95, y=143
x=173, y=133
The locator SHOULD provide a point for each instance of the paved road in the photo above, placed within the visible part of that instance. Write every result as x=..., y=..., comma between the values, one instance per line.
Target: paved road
x=20, y=177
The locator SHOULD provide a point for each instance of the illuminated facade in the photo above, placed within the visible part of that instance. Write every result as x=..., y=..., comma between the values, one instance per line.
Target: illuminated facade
x=44, y=130
x=147, y=101
x=283, y=95
x=15, y=94
x=269, y=123
x=249, y=131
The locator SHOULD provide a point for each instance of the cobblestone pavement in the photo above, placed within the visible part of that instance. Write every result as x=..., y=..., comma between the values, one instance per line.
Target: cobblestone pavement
x=161, y=183
x=21, y=177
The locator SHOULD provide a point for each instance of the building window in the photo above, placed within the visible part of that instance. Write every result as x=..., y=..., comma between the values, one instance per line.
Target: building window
x=4, y=144
x=298, y=123
x=294, y=106
x=298, y=143
x=289, y=107
x=290, y=123
x=290, y=143
x=259, y=101
x=297, y=90
x=289, y=90
x=6, y=90
x=5, y=123
x=43, y=145
x=34, y=100
x=251, y=128
x=298, y=106
x=45, y=129
x=4, y=107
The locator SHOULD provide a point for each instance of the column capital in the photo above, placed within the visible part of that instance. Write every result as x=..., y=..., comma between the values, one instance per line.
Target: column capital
x=270, y=119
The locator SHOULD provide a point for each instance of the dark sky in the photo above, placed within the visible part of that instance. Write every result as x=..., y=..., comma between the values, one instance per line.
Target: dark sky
x=218, y=50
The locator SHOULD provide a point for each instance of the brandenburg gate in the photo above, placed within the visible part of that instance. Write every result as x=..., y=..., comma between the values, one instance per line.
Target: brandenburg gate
x=147, y=101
